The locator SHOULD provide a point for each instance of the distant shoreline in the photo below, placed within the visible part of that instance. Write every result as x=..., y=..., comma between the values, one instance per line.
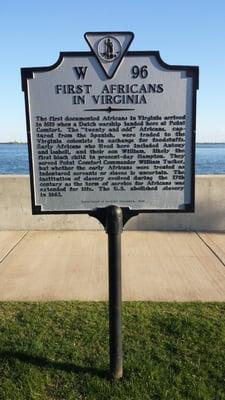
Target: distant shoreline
x=13, y=142
x=210, y=142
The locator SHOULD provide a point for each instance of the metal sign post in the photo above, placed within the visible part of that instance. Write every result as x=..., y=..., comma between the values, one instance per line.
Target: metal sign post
x=113, y=219
x=111, y=133
x=114, y=227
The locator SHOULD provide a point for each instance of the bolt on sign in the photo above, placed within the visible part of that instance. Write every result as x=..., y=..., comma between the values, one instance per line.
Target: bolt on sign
x=111, y=127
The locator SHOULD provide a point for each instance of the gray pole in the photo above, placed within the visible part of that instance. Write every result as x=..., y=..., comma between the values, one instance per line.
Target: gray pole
x=114, y=228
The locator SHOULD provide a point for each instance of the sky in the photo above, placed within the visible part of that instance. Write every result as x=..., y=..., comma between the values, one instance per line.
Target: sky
x=186, y=33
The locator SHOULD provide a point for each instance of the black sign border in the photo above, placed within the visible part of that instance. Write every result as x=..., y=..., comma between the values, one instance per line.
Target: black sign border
x=191, y=71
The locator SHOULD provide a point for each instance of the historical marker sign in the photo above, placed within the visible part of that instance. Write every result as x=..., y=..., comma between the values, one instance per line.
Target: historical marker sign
x=111, y=133
x=111, y=127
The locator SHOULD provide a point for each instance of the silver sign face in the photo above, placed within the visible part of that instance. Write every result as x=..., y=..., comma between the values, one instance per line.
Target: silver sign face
x=111, y=127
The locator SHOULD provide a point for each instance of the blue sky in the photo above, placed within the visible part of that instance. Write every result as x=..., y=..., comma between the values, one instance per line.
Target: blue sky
x=186, y=33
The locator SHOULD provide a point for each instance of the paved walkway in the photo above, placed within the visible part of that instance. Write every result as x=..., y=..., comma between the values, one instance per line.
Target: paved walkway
x=159, y=266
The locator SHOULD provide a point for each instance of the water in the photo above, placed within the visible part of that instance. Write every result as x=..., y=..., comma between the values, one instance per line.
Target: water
x=14, y=159
x=210, y=159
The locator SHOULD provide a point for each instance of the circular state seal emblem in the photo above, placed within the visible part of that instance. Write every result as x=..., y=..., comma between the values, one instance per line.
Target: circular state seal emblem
x=109, y=49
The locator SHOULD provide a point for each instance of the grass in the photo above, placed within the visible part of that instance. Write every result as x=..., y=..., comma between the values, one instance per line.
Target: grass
x=59, y=350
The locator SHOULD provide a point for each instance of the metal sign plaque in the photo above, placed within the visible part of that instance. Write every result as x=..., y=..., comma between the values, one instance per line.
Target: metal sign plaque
x=111, y=127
